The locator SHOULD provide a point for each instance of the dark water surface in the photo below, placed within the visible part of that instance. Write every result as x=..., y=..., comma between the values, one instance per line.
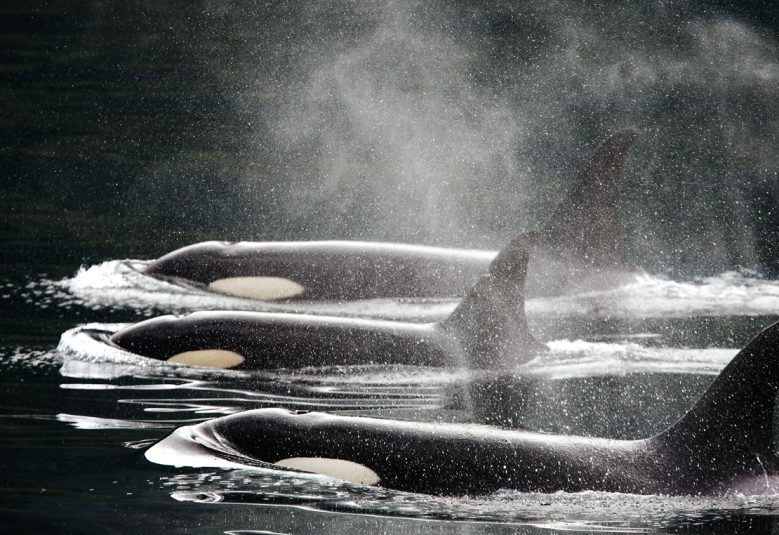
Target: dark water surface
x=75, y=425
x=131, y=128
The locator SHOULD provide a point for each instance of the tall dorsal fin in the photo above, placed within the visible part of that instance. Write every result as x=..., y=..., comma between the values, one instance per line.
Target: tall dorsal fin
x=732, y=422
x=489, y=322
x=581, y=247
x=586, y=227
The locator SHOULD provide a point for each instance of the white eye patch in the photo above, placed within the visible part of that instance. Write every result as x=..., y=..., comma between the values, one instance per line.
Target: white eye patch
x=335, y=468
x=208, y=358
x=263, y=288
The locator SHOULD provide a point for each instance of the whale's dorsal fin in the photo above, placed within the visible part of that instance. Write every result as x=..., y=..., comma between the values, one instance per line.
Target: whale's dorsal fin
x=730, y=429
x=587, y=224
x=489, y=322
x=583, y=238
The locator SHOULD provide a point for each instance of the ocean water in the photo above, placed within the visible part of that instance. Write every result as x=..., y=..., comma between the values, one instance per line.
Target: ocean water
x=133, y=128
x=78, y=415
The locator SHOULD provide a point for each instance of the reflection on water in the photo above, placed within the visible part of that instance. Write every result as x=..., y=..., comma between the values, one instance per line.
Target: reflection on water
x=621, y=390
x=99, y=404
x=578, y=387
x=132, y=128
x=91, y=404
x=589, y=512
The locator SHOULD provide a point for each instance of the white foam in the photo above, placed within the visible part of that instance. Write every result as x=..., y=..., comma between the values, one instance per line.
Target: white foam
x=728, y=294
x=87, y=353
x=579, y=358
x=184, y=448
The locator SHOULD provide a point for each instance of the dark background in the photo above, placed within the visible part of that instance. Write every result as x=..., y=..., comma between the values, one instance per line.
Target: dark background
x=130, y=128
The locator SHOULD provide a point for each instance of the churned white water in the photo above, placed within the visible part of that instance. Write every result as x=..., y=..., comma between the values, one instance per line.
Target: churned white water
x=121, y=284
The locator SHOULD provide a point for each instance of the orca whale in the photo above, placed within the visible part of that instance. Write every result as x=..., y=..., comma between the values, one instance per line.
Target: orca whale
x=580, y=249
x=488, y=329
x=723, y=444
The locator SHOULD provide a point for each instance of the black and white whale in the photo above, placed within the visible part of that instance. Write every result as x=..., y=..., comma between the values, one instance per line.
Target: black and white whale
x=487, y=329
x=581, y=248
x=723, y=444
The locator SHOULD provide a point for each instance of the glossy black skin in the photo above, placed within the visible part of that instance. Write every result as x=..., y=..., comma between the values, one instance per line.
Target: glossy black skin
x=724, y=441
x=581, y=249
x=487, y=329
x=331, y=270
x=430, y=458
x=268, y=340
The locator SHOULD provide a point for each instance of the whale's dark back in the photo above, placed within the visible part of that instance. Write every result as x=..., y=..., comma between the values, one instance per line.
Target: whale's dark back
x=268, y=340
x=331, y=270
x=723, y=444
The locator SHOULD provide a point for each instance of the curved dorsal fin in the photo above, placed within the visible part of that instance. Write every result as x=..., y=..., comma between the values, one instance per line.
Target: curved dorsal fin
x=489, y=322
x=587, y=225
x=581, y=247
x=731, y=425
